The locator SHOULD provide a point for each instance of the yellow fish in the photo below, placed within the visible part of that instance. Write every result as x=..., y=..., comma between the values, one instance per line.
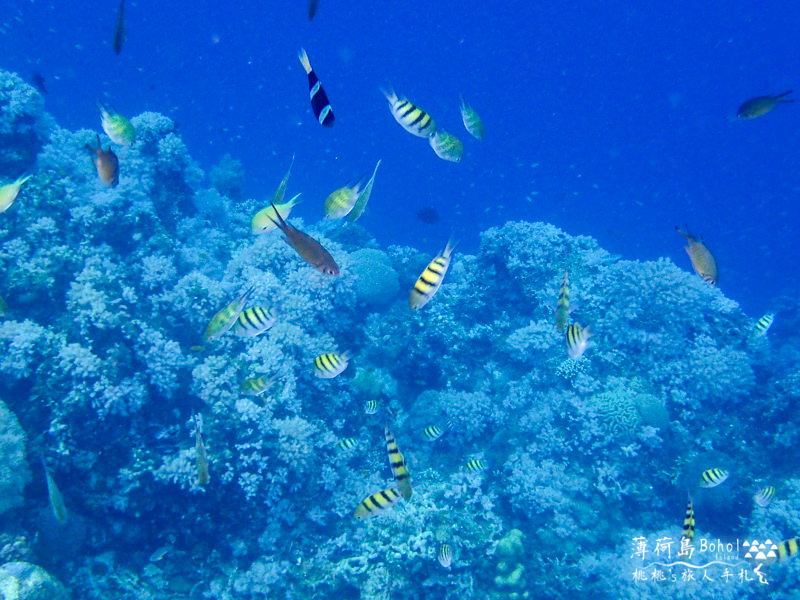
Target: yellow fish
x=412, y=118
x=446, y=145
x=9, y=192
x=328, y=366
x=431, y=279
x=117, y=127
x=222, y=321
x=340, y=202
x=254, y=321
x=376, y=503
x=703, y=261
x=265, y=220
x=470, y=117
x=363, y=197
x=713, y=477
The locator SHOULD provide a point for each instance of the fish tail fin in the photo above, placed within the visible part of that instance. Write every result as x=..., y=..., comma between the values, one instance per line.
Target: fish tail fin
x=23, y=178
x=389, y=93
x=293, y=201
x=785, y=94
x=450, y=247
x=462, y=102
x=685, y=232
x=305, y=62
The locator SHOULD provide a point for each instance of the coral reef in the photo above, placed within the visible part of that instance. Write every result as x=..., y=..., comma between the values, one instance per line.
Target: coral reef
x=14, y=474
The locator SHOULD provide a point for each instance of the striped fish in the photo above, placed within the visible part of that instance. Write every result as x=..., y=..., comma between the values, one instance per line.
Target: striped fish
x=255, y=386
x=687, y=538
x=347, y=443
x=376, y=503
x=788, y=548
x=475, y=465
x=399, y=467
x=577, y=340
x=764, y=496
x=54, y=494
x=434, y=432
x=446, y=145
x=430, y=280
x=319, y=99
x=445, y=556
x=371, y=407
x=763, y=325
x=470, y=118
x=253, y=321
x=328, y=366
x=222, y=321
x=713, y=477
x=340, y=202
x=562, y=308
x=411, y=117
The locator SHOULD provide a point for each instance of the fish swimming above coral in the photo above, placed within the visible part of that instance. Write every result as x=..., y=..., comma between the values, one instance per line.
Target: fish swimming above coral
x=761, y=105
x=331, y=364
x=54, y=494
x=469, y=116
x=577, y=340
x=764, y=496
x=117, y=127
x=255, y=386
x=224, y=319
x=363, y=196
x=411, y=117
x=201, y=456
x=309, y=249
x=10, y=191
x=264, y=220
x=446, y=146
x=431, y=278
x=341, y=201
x=398, y=464
x=713, y=477
x=687, y=537
x=703, y=261
x=377, y=503
x=253, y=321
x=106, y=164
x=319, y=99
x=562, y=307
x=119, y=30
x=763, y=325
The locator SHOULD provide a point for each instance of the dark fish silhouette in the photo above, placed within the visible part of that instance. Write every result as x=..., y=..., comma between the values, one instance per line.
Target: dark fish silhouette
x=319, y=99
x=756, y=107
x=309, y=249
x=428, y=215
x=38, y=81
x=119, y=31
x=312, y=9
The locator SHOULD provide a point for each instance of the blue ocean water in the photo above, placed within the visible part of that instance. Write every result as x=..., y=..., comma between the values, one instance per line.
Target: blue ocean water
x=611, y=122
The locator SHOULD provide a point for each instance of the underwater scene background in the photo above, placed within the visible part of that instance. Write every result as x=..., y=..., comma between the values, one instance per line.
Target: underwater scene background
x=567, y=404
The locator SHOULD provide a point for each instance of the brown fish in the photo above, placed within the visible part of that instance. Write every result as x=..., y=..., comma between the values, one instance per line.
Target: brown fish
x=309, y=249
x=106, y=163
x=119, y=31
x=757, y=107
x=312, y=9
x=702, y=260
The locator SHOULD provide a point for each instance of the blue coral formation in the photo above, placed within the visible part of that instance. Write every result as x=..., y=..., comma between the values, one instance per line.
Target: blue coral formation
x=109, y=291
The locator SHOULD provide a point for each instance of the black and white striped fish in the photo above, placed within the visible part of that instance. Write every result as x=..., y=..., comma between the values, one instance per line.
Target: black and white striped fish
x=319, y=99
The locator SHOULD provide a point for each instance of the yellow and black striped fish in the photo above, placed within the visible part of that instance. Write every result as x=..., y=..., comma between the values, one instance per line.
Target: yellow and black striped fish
x=446, y=145
x=376, y=503
x=475, y=465
x=399, y=467
x=319, y=99
x=253, y=321
x=411, y=117
x=562, y=308
x=347, y=443
x=431, y=279
x=328, y=366
x=371, y=407
x=445, y=556
x=687, y=538
x=713, y=477
x=577, y=340
x=788, y=549
x=763, y=325
x=255, y=386
x=433, y=432
x=764, y=496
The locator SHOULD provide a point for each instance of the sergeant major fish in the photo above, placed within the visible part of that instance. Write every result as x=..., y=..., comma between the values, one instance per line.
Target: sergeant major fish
x=713, y=477
x=377, y=503
x=398, y=464
x=446, y=145
x=703, y=261
x=577, y=340
x=253, y=321
x=331, y=364
x=472, y=122
x=309, y=249
x=562, y=307
x=411, y=117
x=319, y=99
x=431, y=278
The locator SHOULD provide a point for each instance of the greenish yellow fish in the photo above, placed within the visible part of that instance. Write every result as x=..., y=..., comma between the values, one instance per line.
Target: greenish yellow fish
x=117, y=127
x=255, y=386
x=377, y=503
x=9, y=192
x=470, y=118
x=757, y=107
x=56, y=499
x=266, y=219
x=446, y=145
x=222, y=321
x=341, y=201
x=363, y=197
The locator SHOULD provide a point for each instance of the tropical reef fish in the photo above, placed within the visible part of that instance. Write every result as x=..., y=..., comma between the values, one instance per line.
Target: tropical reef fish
x=119, y=30
x=117, y=127
x=159, y=553
x=10, y=191
x=703, y=261
x=763, y=325
x=431, y=279
x=255, y=386
x=309, y=249
x=687, y=538
x=562, y=307
x=38, y=81
x=788, y=549
x=399, y=468
x=445, y=556
x=434, y=432
x=312, y=9
x=764, y=496
x=265, y=220
x=331, y=364
x=253, y=321
x=446, y=145
x=363, y=197
x=347, y=443
x=470, y=117
x=201, y=456
x=577, y=340
x=319, y=99
x=54, y=494
x=713, y=477
x=371, y=407
x=106, y=163
x=411, y=117
x=340, y=202
x=476, y=465
x=377, y=503
x=225, y=319
x=757, y=107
